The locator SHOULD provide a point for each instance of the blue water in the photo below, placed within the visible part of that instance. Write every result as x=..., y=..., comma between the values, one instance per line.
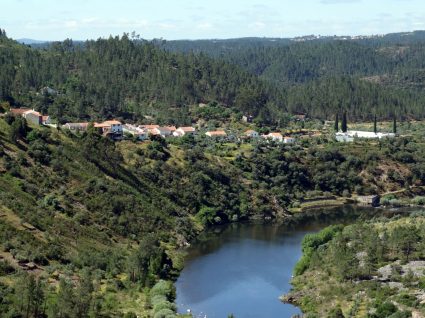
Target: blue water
x=242, y=270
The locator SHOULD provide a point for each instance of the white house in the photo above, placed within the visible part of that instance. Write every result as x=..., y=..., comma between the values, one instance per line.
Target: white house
x=183, y=131
x=111, y=128
x=150, y=128
x=247, y=118
x=33, y=117
x=275, y=136
x=351, y=134
x=139, y=133
x=162, y=131
x=76, y=126
x=251, y=134
x=288, y=140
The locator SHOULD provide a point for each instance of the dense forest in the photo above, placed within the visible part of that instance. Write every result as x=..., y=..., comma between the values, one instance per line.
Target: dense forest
x=269, y=78
x=382, y=75
x=121, y=77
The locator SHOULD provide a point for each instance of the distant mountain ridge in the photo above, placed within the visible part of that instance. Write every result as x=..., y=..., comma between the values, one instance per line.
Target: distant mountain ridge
x=30, y=41
x=413, y=35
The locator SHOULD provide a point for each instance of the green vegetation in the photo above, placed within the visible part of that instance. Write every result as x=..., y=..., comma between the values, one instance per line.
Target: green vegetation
x=126, y=78
x=324, y=76
x=130, y=78
x=78, y=204
x=371, y=269
x=93, y=228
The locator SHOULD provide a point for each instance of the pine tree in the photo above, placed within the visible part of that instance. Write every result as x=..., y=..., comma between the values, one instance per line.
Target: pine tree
x=394, y=125
x=336, y=123
x=375, y=126
x=344, y=122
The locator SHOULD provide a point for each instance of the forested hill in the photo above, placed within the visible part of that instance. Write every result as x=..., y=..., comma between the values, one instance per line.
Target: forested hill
x=294, y=62
x=216, y=47
x=382, y=74
x=129, y=78
x=122, y=77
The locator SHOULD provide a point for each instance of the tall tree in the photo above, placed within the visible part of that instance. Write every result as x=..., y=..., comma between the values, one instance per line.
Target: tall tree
x=375, y=126
x=394, y=124
x=344, y=122
x=336, y=127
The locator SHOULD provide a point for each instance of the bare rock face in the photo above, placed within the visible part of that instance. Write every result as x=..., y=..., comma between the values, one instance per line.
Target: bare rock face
x=415, y=267
x=417, y=314
x=291, y=298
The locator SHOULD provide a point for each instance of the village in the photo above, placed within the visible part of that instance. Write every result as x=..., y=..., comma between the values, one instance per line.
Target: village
x=116, y=130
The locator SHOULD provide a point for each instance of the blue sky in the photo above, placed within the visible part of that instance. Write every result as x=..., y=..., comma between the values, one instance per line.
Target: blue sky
x=202, y=19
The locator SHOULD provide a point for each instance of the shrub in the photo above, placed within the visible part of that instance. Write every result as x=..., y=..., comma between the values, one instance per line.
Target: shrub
x=5, y=268
x=165, y=313
x=163, y=288
x=158, y=299
x=385, y=310
x=401, y=314
x=302, y=265
x=33, y=135
x=336, y=313
x=311, y=243
x=408, y=300
x=206, y=215
x=164, y=305
x=419, y=200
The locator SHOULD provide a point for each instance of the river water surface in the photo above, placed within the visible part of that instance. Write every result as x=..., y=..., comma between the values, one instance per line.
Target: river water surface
x=242, y=269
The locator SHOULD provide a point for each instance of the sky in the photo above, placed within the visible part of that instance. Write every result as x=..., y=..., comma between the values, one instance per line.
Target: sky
x=207, y=19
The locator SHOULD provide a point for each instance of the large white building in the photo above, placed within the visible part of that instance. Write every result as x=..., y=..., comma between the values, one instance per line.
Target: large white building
x=350, y=135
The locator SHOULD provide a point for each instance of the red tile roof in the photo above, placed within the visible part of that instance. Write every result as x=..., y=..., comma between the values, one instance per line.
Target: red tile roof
x=112, y=122
x=150, y=126
x=187, y=129
x=107, y=123
x=19, y=111
x=217, y=133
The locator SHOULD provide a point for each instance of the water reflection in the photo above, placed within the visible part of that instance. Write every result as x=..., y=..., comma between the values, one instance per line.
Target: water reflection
x=244, y=268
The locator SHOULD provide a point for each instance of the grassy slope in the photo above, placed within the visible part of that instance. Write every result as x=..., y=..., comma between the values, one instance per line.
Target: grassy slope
x=92, y=209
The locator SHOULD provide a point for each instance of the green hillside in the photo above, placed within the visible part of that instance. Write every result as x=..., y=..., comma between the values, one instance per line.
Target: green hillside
x=121, y=77
x=131, y=78
x=105, y=221
x=373, y=269
x=382, y=75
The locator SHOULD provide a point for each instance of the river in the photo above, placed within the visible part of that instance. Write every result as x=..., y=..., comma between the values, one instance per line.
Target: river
x=242, y=269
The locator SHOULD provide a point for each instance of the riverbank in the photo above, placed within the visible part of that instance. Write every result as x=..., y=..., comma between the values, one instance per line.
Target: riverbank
x=208, y=243
x=363, y=270
x=241, y=268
